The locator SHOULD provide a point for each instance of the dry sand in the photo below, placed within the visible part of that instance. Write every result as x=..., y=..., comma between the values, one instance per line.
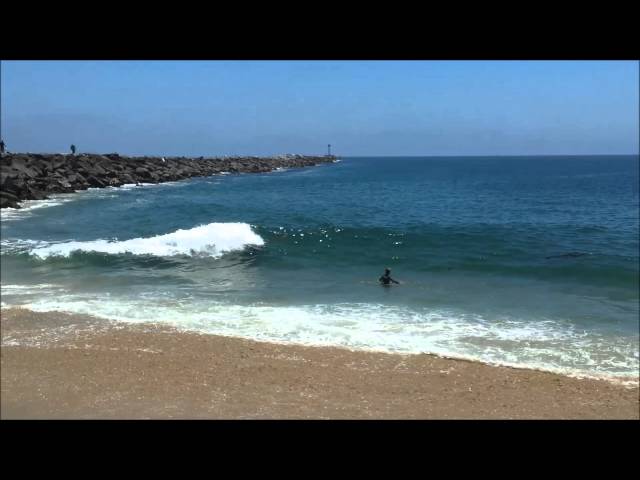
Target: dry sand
x=69, y=366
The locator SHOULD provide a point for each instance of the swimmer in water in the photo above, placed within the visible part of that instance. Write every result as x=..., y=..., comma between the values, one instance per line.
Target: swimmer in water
x=386, y=278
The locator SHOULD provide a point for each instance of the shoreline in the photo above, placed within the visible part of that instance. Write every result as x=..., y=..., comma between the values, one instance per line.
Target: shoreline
x=626, y=381
x=30, y=176
x=121, y=370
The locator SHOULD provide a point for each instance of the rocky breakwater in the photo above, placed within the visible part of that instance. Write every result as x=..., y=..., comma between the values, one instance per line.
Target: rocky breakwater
x=26, y=176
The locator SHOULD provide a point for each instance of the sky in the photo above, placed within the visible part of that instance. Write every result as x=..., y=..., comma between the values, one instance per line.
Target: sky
x=362, y=108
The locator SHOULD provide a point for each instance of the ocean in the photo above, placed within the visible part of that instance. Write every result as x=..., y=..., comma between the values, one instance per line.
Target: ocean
x=530, y=262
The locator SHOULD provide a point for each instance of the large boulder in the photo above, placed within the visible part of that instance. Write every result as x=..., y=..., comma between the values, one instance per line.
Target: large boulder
x=95, y=182
x=25, y=167
x=7, y=178
x=35, y=194
x=15, y=184
x=97, y=170
x=114, y=182
x=8, y=200
x=126, y=178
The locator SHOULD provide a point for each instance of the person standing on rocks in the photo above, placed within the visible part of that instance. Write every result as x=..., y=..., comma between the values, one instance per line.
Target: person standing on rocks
x=1, y=147
x=73, y=149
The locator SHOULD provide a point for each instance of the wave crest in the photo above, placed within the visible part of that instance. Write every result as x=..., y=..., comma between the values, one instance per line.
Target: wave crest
x=211, y=240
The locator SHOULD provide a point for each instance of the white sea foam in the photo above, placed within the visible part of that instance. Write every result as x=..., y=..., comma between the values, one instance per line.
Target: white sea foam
x=25, y=289
x=131, y=186
x=28, y=206
x=17, y=245
x=15, y=295
x=210, y=240
x=548, y=346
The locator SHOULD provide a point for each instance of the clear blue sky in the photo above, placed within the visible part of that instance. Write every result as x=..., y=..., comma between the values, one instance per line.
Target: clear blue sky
x=360, y=107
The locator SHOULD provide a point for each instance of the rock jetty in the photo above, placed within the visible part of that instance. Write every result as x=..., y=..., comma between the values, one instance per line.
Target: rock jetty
x=28, y=176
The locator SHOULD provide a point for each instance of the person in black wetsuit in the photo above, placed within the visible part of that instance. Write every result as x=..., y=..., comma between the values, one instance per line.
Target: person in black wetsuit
x=386, y=278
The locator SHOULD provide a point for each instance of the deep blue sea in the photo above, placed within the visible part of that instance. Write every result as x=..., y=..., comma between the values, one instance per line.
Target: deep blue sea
x=523, y=261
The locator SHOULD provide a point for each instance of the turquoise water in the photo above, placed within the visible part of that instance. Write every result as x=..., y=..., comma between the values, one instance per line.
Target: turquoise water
x=524, y=261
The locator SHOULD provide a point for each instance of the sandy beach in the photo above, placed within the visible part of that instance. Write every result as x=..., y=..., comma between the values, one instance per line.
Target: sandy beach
x=59, y=366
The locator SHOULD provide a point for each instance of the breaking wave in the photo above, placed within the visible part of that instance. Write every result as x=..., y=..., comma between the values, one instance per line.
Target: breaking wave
x=211, y=240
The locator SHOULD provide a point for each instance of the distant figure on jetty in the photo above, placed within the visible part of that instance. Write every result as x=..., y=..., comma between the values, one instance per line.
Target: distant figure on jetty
x=1, y=147
x=73, y=149
x=386, y=278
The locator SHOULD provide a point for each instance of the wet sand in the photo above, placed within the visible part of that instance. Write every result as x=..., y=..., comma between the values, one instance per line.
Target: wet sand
x=58, y=366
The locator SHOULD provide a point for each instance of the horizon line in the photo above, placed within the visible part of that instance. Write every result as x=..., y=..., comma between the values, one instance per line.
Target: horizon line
x=511, y=155
x=334, y=154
